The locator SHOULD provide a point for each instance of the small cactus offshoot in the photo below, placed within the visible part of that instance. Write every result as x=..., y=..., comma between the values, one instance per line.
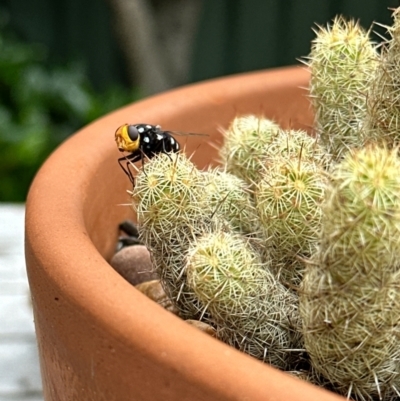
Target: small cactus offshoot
x=251, y=310
x=244, y=145
x=288, y=200
x=230, y=197
x=342, y=63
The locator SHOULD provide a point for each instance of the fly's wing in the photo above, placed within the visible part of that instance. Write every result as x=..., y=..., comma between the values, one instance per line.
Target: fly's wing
x=179, y=133
x=181, y=145
x=184, y=134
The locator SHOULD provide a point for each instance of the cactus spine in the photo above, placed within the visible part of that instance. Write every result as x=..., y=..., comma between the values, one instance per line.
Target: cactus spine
x=350, y=300
x=342, y=63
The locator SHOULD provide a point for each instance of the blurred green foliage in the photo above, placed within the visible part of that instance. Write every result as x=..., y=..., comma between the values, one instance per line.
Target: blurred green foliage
x=39, y=107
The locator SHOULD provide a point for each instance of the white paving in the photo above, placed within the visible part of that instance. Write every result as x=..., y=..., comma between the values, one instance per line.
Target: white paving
x=19, y=365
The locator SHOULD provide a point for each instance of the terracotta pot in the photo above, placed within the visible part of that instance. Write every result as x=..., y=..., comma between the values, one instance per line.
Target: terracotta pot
x=101, y=339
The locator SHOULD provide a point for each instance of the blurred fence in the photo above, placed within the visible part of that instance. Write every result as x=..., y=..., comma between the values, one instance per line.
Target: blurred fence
x=41, y=105
x=71, y=30
x=233, y=35
x=243, y=35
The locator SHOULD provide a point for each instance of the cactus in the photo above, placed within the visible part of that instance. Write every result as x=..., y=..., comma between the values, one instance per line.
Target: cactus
x=172, y=209
x=250, y=309
x=230, y=197
x=383, y=120
x=342, y=63
x=244, y=144
x=288, y=199
x=288, y=203
x=168, y=191
x=341, y=230
x=293, y=143
x=350, y=298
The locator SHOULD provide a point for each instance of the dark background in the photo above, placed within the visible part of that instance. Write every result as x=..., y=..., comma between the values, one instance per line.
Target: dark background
x=62, y=62
x=233, y=35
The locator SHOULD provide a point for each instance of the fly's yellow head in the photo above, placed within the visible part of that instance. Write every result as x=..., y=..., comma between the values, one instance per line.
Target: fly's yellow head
x=127, y=138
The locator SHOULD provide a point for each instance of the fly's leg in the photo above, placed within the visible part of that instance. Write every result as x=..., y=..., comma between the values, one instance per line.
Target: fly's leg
x=143, y=155
x=164, y=150
x=129, y=228
x=131, y=237
x=133, y=158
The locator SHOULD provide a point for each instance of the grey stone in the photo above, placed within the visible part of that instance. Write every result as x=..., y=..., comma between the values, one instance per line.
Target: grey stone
x=134, y=264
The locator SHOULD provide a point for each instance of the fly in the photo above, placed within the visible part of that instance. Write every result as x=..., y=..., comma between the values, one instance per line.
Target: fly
x=144, y=141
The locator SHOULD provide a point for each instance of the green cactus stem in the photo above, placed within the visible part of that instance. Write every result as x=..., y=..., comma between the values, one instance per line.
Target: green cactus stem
x=342, y=63
x=383, y=119
x=288, y=200
x=172, y=210
x=251, y=310
x=231, y=198
x=244, y=144
x=350, y=298
x=294, y=143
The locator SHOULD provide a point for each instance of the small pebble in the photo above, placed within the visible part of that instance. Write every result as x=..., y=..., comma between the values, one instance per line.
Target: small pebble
x=133, y=264
x=206, y=328
x=154, y=290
